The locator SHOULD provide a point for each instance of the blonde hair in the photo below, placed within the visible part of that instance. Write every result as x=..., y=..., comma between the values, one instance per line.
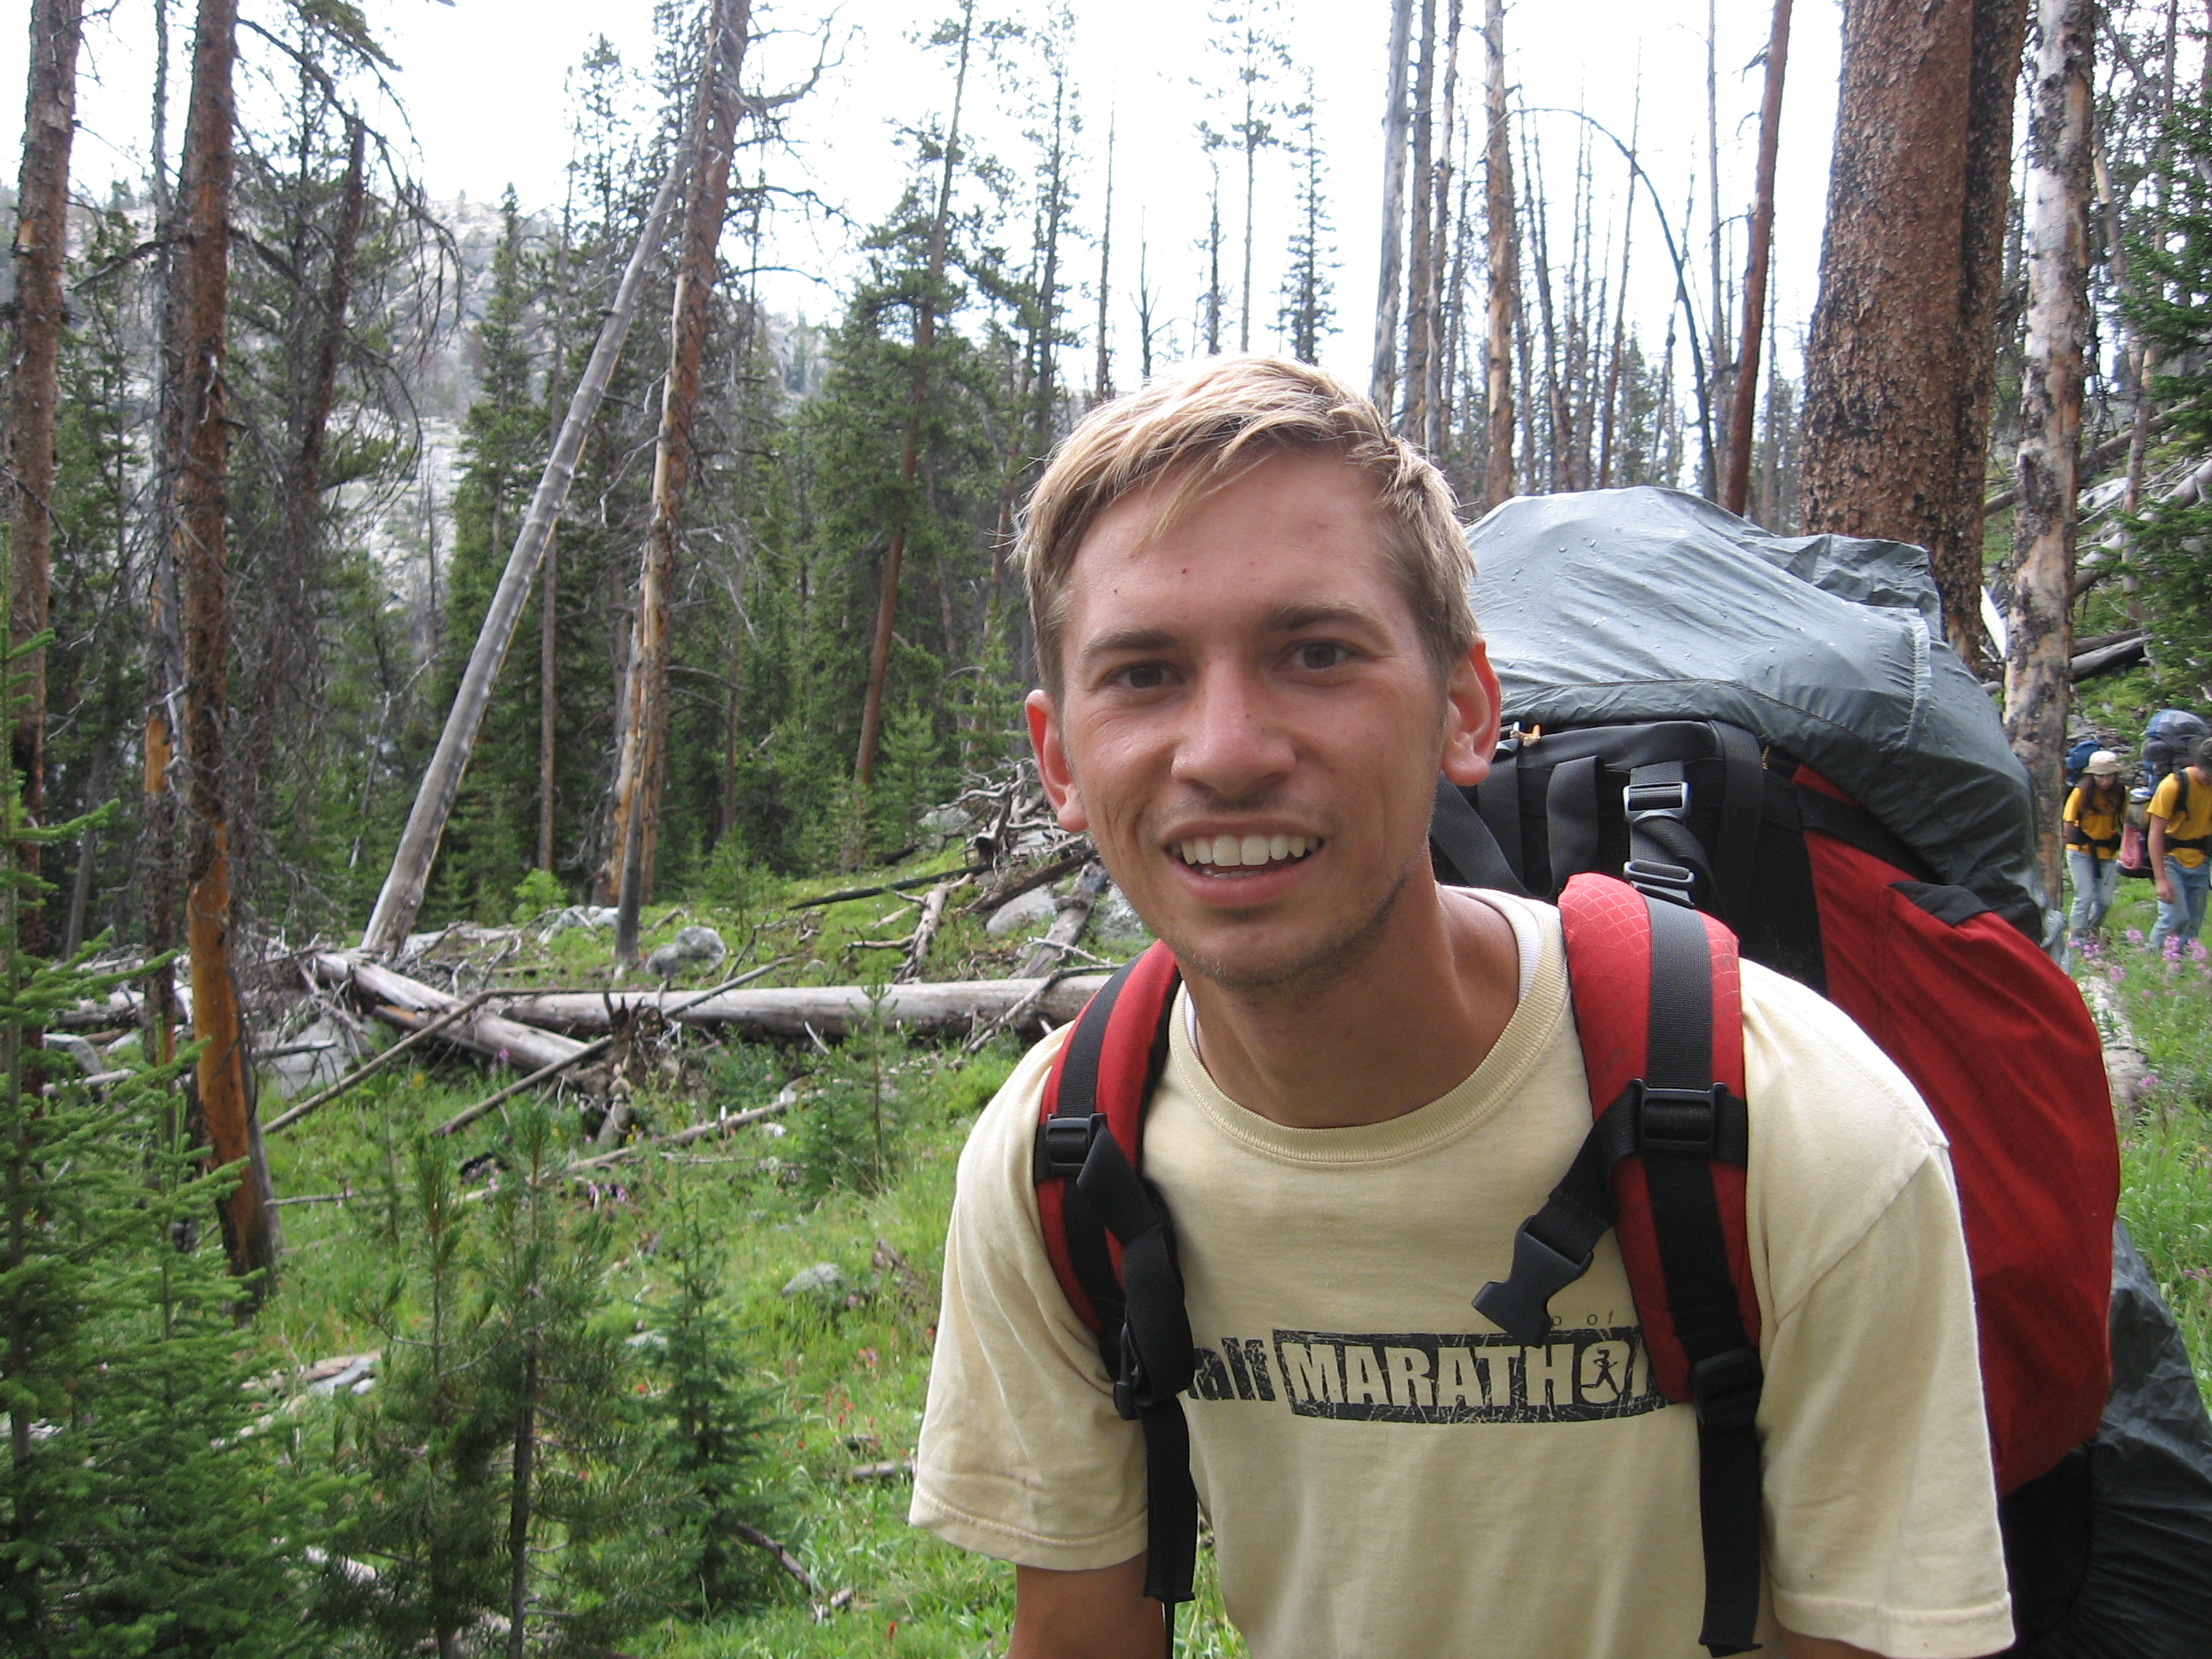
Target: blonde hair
x=1204, y=426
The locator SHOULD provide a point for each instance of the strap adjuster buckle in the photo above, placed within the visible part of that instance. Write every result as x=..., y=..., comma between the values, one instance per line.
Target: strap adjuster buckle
x=1725, y=1388
x=1678, y=1122
x=1670, y=882
x=1063, y=1143
x=1131, y=1389
x=1672, y=799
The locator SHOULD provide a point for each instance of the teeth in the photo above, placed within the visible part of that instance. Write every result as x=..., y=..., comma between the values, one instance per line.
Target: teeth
x=1229, y=852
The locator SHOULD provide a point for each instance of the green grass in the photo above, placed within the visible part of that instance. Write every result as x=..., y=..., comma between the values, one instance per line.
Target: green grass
x=845, y=1375
x=2166, y=1144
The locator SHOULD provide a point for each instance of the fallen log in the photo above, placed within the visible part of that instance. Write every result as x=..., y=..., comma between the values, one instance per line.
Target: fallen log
x=825, y=1010
x=1068, y=926
x=2110, y=657
x=406, y=1003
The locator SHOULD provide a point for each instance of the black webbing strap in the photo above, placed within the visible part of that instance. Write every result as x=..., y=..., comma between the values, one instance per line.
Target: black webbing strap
x=1854, y=826
x=1743, y=795
x=1156, y=1363
x=1144, y=1332
x=1498, y=798
x=1459, y=833
x=1570, y=819
x=1678, y=1144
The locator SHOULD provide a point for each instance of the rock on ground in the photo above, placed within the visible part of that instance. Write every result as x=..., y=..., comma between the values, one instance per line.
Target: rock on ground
x=1024, y=911
x=693, y=948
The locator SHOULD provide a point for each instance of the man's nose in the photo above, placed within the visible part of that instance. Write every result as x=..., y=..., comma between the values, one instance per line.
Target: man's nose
x=1235, y=742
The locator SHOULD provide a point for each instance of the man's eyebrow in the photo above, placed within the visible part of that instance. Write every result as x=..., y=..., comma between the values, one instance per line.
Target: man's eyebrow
x=1297, y=619
x=1116, y=640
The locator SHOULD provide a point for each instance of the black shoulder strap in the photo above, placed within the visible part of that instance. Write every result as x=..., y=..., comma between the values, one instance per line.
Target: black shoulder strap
x=1459, y=837
x=1144, y=1333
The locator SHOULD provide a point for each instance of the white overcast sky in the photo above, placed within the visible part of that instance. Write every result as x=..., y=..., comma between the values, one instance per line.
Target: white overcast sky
x=482, y=84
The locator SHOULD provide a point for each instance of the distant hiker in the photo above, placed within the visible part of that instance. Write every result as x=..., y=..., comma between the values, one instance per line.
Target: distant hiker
x=2096, y=811
x=2180, y=836
x=1249, y=602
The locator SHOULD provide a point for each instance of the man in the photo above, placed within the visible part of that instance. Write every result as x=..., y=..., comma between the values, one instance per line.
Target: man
x=1252, y=624
x=2180, y=835
x=2096, y=810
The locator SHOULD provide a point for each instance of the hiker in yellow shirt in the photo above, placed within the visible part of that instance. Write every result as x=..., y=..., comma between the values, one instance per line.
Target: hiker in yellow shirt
x=2094, y=812
x=2180, y=834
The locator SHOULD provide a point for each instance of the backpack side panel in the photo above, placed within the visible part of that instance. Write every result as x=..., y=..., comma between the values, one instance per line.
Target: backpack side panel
x=1995, y=1038
x=1609, y=945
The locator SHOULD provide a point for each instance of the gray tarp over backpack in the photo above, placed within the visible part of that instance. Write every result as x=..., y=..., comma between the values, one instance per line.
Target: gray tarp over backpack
x=1611, y=607
x=1672, y=654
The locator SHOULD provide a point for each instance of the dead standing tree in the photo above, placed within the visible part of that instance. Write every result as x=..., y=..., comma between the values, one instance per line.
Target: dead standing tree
x=200, y=462
x=41, y=246
x=1498, y=483
x=1899, y=366
x=642, y=763
x=402, y=894
x=1735, y=487
x=1382, y=384
x=2038, y=678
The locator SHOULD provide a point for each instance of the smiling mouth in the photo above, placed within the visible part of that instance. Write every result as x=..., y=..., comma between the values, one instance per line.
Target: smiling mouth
x=1236, y=855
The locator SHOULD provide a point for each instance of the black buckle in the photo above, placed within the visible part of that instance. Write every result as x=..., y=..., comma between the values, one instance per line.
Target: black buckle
x=1670, y=882
x=1670, y=799
x=1130, y=1384
x=1063, y=1143
x=1678, y=1122
x=1725, y=1388
x=1521, y=1305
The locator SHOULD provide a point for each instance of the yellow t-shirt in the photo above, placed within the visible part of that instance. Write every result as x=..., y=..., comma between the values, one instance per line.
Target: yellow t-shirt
x=2098, y=822
x=1385, y=1472
x=2190, y=825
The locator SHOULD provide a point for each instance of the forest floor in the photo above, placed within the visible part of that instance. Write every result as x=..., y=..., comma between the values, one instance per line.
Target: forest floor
x=842, y=1369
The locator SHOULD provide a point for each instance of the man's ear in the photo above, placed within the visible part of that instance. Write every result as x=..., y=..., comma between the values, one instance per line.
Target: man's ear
x=1053, y=769
x=1470, y=717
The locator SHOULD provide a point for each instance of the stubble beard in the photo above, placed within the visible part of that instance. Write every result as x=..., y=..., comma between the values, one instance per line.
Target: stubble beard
x=1302, y=978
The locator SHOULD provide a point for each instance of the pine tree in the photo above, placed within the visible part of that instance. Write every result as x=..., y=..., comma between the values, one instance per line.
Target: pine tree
x=1308, y=315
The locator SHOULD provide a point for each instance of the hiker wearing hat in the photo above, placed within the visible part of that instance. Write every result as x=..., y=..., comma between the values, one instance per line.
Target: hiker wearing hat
x=2180, y=835
x=2095, y=812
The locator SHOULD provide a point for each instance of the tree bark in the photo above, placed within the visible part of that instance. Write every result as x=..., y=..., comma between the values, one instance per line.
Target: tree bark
x=1903, y=344
x=1383, y=382
x=1443, y=295
x=827, y=1011
x=1420, y=309
x=402, y=894
x=925, y=342
x=200, y=553
x=1102, y=385
x=2039, y=667
x=1497, y=480
x=41, y=247
x=1735, y=493
x=643, y=761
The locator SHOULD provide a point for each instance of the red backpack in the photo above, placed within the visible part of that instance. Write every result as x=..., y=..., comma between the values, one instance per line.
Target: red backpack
x=1989, y=1029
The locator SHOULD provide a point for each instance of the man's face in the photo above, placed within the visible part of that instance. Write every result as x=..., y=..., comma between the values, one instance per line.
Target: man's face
x=1249, y=725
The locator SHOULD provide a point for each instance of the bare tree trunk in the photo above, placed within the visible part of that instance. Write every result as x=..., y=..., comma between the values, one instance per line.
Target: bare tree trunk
x=199, y=346
x=1101, y=383
x=548, y=707
x=925, y=342
x=1420, y=309
x=1736, y=492
x=1719, y=332
x=2039, y=643
x=644, y=762
x=1443, y=294
x=41, y=248
x=402, y=894
x=1498, y=482
x=1383, y=382
x=1899, y=366
x=1620, y=302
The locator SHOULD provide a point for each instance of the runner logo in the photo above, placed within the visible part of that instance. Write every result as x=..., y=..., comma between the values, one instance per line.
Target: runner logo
x=1580, y=1376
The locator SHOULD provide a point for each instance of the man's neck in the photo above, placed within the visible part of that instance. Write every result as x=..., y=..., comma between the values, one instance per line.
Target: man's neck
x=1402, y=1027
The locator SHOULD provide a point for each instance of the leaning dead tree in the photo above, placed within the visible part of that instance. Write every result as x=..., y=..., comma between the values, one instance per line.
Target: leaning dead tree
x=200, y=462
x=2040, y=635
x=402, y=894
x=642, y=760
x=42, y=245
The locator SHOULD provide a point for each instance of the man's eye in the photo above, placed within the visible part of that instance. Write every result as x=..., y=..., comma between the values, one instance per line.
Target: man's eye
x=1144, y=677
x=1318, y=655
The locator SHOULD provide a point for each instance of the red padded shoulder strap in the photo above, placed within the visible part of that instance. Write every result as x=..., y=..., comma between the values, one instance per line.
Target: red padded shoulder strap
x=1607, y=926
x=1108, y=1067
